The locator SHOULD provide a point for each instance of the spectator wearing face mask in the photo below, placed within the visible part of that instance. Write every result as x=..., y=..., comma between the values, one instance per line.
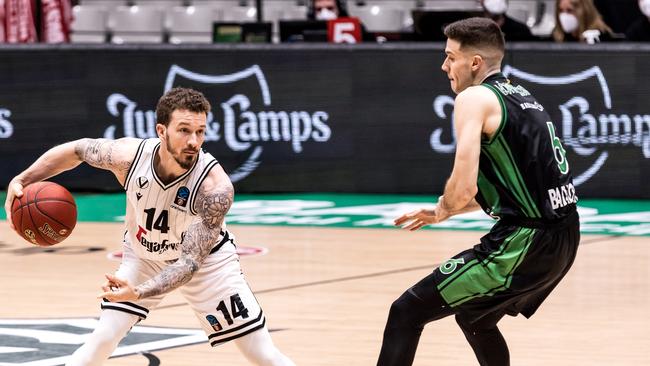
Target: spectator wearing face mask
x=579, y=21
x=512, y=29
x=639, y=31
x=325, y=10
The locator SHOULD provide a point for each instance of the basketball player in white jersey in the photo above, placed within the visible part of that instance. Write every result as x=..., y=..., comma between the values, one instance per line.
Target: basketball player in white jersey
x=176, y=237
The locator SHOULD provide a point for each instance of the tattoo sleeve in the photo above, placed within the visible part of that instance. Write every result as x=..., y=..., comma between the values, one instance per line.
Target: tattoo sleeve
x=101, y=153
x=201, y=236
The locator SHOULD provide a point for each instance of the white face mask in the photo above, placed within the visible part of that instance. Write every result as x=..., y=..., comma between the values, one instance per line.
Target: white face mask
x=644, y=5
x=495, y=6
x=568, y=22
x=326, y=14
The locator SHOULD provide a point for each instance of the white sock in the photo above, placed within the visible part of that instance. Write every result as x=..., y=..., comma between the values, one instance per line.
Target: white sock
x=112, y=327
x=259, y=349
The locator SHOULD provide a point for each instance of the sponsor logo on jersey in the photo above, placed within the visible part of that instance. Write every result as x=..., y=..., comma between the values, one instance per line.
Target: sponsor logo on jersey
x=242, y=121
x=50, y=342
x=508, y=88
x=562, y=196
x=157, y=247
x=534, y=105
x=182, y=196
x=580, y=105
x=138, y=195
x=142, y=182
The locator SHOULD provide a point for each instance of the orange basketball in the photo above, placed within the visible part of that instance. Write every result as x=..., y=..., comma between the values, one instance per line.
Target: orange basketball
x=45, y=215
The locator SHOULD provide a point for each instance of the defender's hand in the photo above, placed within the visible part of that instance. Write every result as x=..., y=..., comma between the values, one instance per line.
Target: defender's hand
x=419, y=218
x=118, y=290
x=15, y=189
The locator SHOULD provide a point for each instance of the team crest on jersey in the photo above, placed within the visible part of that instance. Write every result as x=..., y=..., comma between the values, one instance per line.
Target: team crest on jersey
x=182, y=196
x=49, y=342
x=142, y=182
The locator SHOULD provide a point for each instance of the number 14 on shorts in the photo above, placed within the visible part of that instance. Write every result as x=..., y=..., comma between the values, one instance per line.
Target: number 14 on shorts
x=237, y=309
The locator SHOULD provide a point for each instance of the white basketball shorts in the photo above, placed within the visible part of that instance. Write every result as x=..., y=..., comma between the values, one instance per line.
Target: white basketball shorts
x=218, y=292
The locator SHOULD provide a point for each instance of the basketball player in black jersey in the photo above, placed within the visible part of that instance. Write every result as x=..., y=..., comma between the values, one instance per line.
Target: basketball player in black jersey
x=510, y=163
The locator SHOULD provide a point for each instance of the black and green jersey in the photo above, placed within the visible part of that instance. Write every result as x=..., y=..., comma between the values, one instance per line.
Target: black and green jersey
x=523, y=170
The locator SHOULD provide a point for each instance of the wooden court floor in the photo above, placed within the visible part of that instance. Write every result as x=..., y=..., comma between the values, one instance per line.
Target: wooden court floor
x=326, y=294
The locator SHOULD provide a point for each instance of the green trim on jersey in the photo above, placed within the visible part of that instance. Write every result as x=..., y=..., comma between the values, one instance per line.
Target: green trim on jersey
x=504, y=164
x=504, y=114
x=489, y=192
x=493, y=274
x=519, y=178
x=505, y=172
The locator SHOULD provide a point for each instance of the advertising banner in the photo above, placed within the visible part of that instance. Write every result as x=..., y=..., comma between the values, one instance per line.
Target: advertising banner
x=316, y=119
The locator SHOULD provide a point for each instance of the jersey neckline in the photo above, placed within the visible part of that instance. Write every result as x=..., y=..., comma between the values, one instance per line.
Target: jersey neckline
x=175, y=181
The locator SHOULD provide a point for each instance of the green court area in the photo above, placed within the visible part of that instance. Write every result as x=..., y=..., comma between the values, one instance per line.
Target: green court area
x=610, y=217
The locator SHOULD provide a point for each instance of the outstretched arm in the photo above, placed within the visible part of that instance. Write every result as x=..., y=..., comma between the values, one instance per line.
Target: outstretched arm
x=113, y=155
x=416, y=219
x=215, y=196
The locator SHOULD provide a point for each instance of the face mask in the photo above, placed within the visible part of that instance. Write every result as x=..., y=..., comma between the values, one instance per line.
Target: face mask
x=644, y=5
x=495, y=6
x=326, y=14
x=568, y=22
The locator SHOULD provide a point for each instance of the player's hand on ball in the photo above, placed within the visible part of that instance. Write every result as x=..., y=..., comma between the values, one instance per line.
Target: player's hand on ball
x=117, y=290
x=14, y=190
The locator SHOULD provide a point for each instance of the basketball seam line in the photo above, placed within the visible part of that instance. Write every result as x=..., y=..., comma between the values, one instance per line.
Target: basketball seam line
x=36, y=227
x=46, y=200
x=50, y=217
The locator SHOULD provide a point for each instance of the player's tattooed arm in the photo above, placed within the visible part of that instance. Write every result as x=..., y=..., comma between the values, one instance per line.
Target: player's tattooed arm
x=212, y=203
x=113, y=155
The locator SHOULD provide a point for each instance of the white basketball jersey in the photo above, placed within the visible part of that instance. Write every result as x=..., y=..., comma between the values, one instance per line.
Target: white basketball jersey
x=158, y=214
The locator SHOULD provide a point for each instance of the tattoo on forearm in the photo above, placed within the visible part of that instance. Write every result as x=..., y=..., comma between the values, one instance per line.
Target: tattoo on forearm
x=171, y=277
x=199, y=240
x=100, y=154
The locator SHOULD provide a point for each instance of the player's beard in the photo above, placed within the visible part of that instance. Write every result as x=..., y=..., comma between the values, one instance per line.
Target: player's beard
x=184, y=163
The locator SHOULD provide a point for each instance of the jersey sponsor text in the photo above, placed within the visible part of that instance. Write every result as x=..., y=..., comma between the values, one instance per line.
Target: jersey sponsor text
x=562, y=196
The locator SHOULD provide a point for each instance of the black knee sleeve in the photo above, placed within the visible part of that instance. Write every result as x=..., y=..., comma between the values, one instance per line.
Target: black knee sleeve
x=413, y=310
x=404, y=312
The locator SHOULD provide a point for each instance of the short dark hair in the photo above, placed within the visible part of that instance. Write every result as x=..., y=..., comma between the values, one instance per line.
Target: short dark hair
x=180, y=99
x=476, y=32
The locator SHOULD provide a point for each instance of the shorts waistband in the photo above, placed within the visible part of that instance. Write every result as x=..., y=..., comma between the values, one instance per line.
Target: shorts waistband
x=541, y=224
x=225, y=238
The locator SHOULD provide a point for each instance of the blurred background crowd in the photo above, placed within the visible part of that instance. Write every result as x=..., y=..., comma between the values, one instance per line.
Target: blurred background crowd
x=349, y=21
